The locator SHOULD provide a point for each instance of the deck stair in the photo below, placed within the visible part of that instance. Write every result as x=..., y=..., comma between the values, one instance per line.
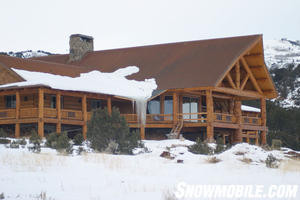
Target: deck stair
x=175, y=132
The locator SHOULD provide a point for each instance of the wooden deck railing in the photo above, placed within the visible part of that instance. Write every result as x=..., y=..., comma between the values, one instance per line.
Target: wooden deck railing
x=251, y=120
x=71, y=114
x=193, y=117
x=150, y=118
x=28, y=113
x=7, y=114
x=50, y=113
x=223, y=117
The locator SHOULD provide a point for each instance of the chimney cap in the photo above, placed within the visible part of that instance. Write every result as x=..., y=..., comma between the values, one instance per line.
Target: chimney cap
x=82, y=36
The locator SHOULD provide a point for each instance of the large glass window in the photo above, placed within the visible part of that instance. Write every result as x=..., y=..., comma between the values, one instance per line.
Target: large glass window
x=190, y=106
x=154, y=106
x=168, y=105
x=10, y=101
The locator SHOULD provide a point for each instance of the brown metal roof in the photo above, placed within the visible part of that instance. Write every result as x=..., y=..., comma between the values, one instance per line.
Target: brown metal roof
x=174, y=65
x=43, y=66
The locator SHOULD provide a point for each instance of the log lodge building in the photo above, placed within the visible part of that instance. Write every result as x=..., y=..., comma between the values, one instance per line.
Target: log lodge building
x=201, y=87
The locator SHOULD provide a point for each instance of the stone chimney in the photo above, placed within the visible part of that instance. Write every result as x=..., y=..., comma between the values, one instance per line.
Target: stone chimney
x=79, y=46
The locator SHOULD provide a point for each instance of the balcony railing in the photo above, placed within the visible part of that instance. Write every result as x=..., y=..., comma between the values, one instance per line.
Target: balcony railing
x=7, y=114
x=251, y=120
x=223, y=117
x=26, y=113
x=193, y=117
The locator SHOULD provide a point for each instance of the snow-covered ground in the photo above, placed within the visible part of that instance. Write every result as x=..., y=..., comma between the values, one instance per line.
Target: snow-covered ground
x=25, y=175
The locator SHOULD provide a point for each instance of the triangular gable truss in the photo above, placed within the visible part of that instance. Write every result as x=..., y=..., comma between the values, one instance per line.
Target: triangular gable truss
x=239, y=76
x=249, y=73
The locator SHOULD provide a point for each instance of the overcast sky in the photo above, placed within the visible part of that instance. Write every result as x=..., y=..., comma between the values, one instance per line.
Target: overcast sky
x=47, y=25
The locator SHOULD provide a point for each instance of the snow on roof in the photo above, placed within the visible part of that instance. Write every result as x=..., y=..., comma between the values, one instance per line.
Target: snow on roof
x=114, y=83
x=250, y=109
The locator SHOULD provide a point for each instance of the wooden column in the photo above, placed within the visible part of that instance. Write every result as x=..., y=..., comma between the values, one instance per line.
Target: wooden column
x=180, y=103
x=238, y=75
x=162, y=104
x=210, y=116
x=263, y=137
x=256, y=138
x=142, y=131
x=175, y=107
x=17, y=125
x=238, y=115
x=41, y=113
x=109, y=110
x=84, y=114
x=58, y=109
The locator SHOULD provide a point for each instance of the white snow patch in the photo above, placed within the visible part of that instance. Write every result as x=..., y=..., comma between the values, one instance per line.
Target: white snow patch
x=250, y=109
x=114, y=83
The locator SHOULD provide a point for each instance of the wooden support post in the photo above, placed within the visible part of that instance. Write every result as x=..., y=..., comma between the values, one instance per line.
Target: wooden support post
x=210, y=115
x=175, y=107
x=58, y=109
x=41, y=113
x=180, y=103
x=142, y=131
x=84, y=114
x=238, y=114
x=263, y=138
x=256, y=138
x=248, y=139
x=17, y=130
x=17, y=125
x=109, y=110
x=162, y=104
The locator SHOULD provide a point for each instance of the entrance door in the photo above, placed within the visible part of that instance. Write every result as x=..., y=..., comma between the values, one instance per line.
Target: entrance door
x=189, y=108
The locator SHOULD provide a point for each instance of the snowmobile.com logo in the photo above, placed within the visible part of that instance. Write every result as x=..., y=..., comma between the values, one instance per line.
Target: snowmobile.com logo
x=189, y=191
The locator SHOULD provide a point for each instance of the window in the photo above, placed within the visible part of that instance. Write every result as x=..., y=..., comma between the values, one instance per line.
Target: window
x=53, y=101
x=190, y=105
x=10, y=101
x=95, y=103
x=154, y=106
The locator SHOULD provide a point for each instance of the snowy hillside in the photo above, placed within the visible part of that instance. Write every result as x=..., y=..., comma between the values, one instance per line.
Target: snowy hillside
x=281, y=52
x=50, y=175
x=27, y=54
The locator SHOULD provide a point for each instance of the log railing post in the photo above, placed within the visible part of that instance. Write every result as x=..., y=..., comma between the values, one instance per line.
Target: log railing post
x=58, y=110
x=263, y=137
x=41, y=113
x=17, y=125
x=210, y=115
x=84, y=114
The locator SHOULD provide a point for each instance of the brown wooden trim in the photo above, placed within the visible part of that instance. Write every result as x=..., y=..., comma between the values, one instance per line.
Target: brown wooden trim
x=85, y=117
x=248, y=94
x=238, y=75
x=228, y=77
x=109, y=109
x=252, y=78
x=41, y=113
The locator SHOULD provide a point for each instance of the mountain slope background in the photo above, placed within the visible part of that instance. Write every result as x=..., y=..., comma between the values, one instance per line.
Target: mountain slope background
x=283, y=60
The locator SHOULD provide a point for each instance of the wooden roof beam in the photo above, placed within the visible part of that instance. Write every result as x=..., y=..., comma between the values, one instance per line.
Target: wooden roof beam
x=228, y=77
x=242, y=93
x=251, y=76
x=244, y=81
x=237, y=75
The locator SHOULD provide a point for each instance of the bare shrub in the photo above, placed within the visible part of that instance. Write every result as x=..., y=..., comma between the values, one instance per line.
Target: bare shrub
x=271, y=161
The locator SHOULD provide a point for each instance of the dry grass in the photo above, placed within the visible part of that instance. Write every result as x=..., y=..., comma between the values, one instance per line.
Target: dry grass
x=213, y=160
x=169, y=195
x=109, y=161
x=31, y=162
x=246, y=160
x=239, y=153
x=290, y=165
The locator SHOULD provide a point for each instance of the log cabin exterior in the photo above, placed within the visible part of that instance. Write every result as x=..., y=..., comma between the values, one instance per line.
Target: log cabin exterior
x=201, y=86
